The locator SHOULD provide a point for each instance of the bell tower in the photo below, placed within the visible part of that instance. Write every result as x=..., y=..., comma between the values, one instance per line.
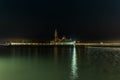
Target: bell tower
x=56, y=36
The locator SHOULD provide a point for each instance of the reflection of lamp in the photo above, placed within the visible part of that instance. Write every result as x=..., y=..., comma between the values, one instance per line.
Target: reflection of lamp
x=55, y=52
x=74, y=65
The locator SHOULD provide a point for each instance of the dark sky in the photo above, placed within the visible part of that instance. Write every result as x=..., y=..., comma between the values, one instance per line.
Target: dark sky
x=79, y=19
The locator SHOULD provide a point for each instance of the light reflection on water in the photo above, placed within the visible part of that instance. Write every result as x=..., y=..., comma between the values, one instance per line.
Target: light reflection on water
x=74, y=64
x=59, y=63
x=55, y=53
x=106, y=62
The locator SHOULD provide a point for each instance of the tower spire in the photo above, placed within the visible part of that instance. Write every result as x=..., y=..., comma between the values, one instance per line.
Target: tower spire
x=56, y=36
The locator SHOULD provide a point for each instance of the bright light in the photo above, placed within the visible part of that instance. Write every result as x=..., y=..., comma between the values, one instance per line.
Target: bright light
x=74, y=65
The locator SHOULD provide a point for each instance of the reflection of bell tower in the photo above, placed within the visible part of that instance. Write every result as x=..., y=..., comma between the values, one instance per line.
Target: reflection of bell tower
x=56, y=36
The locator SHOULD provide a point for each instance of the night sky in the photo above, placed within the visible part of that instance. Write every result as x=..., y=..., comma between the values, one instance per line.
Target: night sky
x=78, y=19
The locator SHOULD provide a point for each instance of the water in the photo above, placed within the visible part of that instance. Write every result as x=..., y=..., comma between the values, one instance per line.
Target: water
x=59, y=63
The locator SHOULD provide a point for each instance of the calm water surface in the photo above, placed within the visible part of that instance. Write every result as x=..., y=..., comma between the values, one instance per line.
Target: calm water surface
x=59, y=63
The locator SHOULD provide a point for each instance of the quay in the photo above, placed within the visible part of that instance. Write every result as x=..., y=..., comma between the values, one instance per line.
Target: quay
x=39, y=44
x=112, y=44
x=62, y=44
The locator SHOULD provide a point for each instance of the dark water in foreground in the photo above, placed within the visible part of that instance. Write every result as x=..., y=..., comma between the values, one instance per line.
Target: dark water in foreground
x=59, y=63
